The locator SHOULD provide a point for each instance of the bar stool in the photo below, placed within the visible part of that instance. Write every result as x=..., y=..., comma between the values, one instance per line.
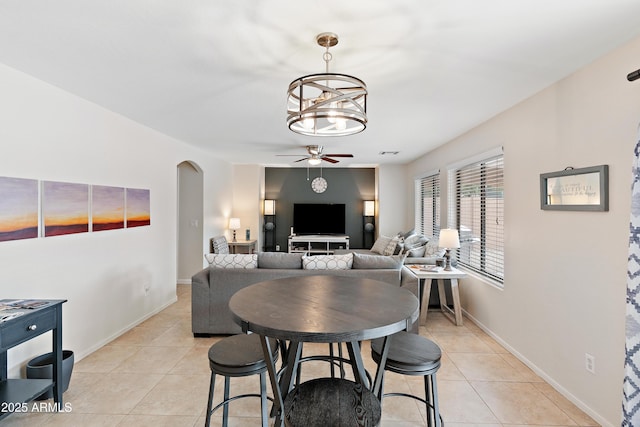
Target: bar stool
x=238, y=356
x=412, y=354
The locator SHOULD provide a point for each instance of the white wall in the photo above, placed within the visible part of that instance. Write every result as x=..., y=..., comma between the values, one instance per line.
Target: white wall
x=189, y=222
x=49, y=134
x=390, y=218
x=565, y=275
x=247, y=194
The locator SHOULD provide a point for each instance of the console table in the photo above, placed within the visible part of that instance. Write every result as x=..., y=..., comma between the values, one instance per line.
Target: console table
x=19, y=329
x=318, y=243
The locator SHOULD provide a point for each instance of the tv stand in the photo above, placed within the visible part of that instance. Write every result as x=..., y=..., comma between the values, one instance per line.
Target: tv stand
x=324, y=244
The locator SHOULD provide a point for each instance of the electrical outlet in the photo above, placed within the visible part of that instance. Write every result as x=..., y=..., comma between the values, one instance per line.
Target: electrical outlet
x=277, y=248
x=590, y=363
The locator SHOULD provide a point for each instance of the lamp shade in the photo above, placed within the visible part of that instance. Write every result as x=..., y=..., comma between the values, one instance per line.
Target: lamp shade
x=449, y=238
x=269, y=207
x=234, y=223
x=369, y=208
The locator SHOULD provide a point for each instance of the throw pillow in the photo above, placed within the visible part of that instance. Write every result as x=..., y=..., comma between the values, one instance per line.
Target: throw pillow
x=432, y=249
x=415, y=241
x=279, y=260
x=328, y=262
x=391, y=247
x=375, y=262
x=416, y=252
x=380, y=244
x=219, y=245
x=409, y=233
x=234, y=261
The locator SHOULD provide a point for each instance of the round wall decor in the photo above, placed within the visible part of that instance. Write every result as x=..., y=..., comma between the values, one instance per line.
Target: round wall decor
x=319, y=184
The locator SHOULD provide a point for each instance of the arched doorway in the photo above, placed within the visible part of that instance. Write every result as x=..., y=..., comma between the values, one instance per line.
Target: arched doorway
x=190, y=216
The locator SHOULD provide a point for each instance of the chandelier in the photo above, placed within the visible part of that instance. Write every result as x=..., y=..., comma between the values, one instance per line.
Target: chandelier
x=327, y=104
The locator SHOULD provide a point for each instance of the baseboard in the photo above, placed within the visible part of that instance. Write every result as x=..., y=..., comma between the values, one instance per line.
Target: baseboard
x=559, y=388
x=84, y=353
x=184, y=281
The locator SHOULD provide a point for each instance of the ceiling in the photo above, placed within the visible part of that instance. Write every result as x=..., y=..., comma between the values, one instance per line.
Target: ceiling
x=215, y=73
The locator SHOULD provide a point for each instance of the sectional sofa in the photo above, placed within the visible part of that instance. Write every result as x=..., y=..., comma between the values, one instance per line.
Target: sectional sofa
x=213, y=286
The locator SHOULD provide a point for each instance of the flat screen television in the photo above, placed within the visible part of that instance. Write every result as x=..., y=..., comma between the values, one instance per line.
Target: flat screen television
x=319, y=218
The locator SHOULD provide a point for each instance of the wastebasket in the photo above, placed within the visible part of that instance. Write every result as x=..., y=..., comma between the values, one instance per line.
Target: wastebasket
x=41, y=367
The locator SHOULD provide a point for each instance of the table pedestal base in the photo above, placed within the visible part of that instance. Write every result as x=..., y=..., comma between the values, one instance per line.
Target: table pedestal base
x=331, y=401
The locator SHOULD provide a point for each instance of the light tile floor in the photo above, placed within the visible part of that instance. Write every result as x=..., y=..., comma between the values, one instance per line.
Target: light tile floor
x=157, y=375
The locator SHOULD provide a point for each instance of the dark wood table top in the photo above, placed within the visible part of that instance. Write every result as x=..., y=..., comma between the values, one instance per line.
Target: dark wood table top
x=324, y=308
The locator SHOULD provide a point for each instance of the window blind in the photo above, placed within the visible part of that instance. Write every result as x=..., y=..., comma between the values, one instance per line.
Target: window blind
x=427, y=205
x=477, y=190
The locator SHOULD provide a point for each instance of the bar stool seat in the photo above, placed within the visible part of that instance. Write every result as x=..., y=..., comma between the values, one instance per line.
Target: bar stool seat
x=412, y=354
x=331, y=402
x=238, y=356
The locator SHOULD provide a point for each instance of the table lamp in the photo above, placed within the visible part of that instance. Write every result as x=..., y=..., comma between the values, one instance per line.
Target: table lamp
x=449, y=239
x=234, y=224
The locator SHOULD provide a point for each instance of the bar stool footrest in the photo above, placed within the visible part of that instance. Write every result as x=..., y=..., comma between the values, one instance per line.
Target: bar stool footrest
x=413, y=397
x=240, y=396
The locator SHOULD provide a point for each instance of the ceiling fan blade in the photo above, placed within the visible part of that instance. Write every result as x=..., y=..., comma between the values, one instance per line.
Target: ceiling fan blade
x=338, y=155
x=301, y=160
x=327, y=159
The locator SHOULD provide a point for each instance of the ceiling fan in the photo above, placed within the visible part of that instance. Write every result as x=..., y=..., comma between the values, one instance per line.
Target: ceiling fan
x=316, y=156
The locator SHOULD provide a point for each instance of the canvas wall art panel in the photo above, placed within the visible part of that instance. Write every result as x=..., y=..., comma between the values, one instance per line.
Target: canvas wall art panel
x=138, y=207
x=65, y=208
x=107, y=207
x=18, y=209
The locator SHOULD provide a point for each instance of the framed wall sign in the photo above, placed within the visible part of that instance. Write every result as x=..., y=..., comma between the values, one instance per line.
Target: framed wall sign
x=584, y=189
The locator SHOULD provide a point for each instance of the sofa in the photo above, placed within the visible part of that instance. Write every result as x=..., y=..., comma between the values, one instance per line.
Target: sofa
x=416, y=248
x=213, y=287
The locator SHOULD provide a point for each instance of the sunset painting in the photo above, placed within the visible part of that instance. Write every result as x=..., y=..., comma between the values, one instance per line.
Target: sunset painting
x=107, y=207
x=18, y=209
x=138, y=207
x=65, y=208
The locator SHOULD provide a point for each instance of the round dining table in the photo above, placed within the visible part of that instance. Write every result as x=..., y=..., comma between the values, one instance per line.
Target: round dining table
x=322, y=309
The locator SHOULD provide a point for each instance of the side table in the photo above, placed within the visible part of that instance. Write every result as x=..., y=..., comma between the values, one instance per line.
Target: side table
x=455, y=314
x=248, y=246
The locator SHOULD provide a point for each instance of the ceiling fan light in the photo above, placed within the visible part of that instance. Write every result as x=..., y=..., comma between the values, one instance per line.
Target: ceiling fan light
x=314, y=161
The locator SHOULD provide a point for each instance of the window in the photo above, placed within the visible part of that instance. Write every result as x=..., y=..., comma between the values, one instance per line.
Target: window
x=477, y=209
x=427, y=203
